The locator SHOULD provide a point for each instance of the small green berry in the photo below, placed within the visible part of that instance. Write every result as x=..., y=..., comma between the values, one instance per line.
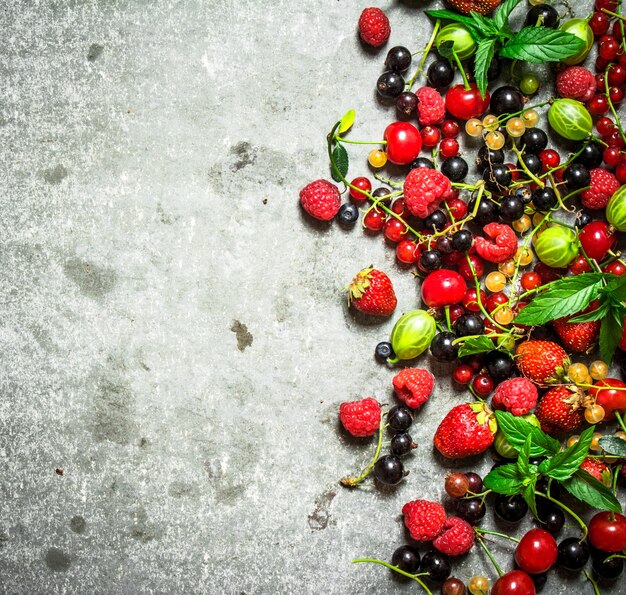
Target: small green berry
x=529, y=85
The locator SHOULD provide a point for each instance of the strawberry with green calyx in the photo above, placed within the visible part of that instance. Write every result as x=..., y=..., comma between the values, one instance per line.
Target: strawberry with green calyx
x=579, y=337
x=560, y=410
x=466, y=430
x=542, y=362
x=371, y=292
x=600, y=470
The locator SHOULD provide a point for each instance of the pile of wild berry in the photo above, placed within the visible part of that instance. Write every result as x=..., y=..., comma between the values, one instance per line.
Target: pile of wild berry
x=522, y=287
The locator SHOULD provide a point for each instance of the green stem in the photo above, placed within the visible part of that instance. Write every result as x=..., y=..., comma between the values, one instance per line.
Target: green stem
x=353, y=481
x=596, y=590
x=427, y=49
x=616, y=471
x=448, y=322
x=504, y=535
x=608, y=97
x=359, y=142
x=620, y=420
x=489, y=555
x=531, y=175
x=616, y=556
x=460, y=66
x=414, y=577
x=569, y=511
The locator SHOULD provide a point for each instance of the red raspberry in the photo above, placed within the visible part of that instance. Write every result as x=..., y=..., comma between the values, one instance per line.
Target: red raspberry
x=320, y=199
x=374, y=27
x=517, y=395
x=603, y=185
x=457, y=537
x=424, y=189
x=413, y=386
x=501, y=245
x=431, y=106
x=360, y=418
x=576, y=82
x=424, y=519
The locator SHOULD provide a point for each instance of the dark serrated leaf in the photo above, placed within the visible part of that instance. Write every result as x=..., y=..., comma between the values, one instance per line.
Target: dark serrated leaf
x=588, y=489
x=476, y=345
x=469, y=23
x=610, y=334
x=566, y=463
x=529, y=497
x=561, y=298
x=598, y=314
x=541, y=44
x=341, y=161
x=517, y=429
x=501, y=15
x=613, y=445
x=484, y=55
x=524, y=454
x=504, y=479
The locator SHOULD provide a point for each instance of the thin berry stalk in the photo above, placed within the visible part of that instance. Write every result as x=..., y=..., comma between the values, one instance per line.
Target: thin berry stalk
x=414, y=577
x=353, y=481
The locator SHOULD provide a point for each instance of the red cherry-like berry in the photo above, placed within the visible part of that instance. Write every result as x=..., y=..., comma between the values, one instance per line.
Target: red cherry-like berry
x=515, y=582
x=598, y=105
x=443, y=288
x=579, y=266
x=617, y=267
x=449, y=147
x=457, y=207
x=470, y=300
x=451, y=129
x=374, y=220
x=549, y=159
x=463, y=374
x=403, y=142
x=607, y=531
x=483, y=384
x=407, y=252
x=395, y=230
x=363, y=185
x=431, y=135
x=536, y=552
x=596, y=240
x=530, y=280
x=465, y=103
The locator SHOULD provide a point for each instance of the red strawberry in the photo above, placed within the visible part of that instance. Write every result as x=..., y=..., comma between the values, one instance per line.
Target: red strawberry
x=424, y=519
x=374, y=27
x=543, y=362
x=457, y=537
x=467, y=430
x=601, y=471
x=480, y=6
x=576, y=82
x=578, y=337
x=413, y=386
x=371, y=292
x=320, y=199
x=560, y=411
x=360, y=418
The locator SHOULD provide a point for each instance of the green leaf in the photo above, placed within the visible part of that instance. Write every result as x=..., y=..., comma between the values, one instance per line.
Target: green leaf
x=561, y=298
x=541, y=44
x=524, y=454
x=469, y=23
x=598, y=314
x=485, y=24
x=484, y=55
x=610, y=334
x=613, y=445
x=529, y=496
x=341, y=161
x=566, y=463
x=346, y=122
x=501, y=15
x=504, y=479
x=446, y=49
x=476, y=345
x=517, y=429
x=617, y=288
x=588, y=489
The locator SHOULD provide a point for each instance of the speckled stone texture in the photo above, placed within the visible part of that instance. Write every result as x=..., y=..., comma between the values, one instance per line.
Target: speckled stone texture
x=174, y=335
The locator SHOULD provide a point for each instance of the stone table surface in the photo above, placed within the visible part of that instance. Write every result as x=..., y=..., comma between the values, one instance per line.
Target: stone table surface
x=174, y=334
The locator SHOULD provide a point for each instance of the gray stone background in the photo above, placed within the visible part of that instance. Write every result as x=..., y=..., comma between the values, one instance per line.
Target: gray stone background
x=174, y=334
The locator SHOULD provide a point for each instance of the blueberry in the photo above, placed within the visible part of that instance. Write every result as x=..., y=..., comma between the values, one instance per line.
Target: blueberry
x=384, y=351
x=348, y=214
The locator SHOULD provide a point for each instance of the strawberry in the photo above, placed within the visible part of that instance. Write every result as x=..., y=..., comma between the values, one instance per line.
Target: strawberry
x=424, y=519
x=371, y=292
x=480, y=6
x=543, y=362
x=559, y=410
x=578, y=337
x=601, y=471
x=466, y=430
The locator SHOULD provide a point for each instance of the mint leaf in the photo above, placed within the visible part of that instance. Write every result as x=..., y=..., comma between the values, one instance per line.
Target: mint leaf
x=598, y=314
x=340, y=161
x=476, y=345
x=504, y=479
x=524, y=454
x=541, y=44
x=517, y=429
x=610, y=334
x=566, y=463
x=476, y=32
x=446, y=49
x=484, y=55
x=588, y=489
x=346, y=122
x=483, y=23
x=529, y=495
x=561, y=298
x=613, y=445
x=501, y=15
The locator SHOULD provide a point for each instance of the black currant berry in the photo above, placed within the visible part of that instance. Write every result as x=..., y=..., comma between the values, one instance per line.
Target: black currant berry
x=462, y=240
x=576, y=176
x=506, y=100
x=389, y=470
x=442, y=347
x=607, y=569
x=469, y=324
x=430, y=260
x=544, y=199
x=552, y=519
x=440, y=74
x=534, y=140
x=384, y=351
x=532, y=162
x=590, y=156
x=455, y=168
x=510, y=508
x=390, y=84
x=499, y=365
x=487, y=211
x=422, y=162
x=543, y=15
x=583, y=219
x=406, y=558
x=398, y=59
x=511, y=208
x=487, y=157
x=402, y=444
x=436, y=221
x=573, y=555
x=475, y=482
x=524, y=193
x=406, y=103
x=399, y=418
x=348, y=214
x=471, y=509
x=437, y=565
x=381, y=193
x=444, y=244
x=497, y=177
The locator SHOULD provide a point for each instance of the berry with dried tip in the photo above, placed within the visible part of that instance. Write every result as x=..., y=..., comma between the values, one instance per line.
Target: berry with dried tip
x=406, y=558
x=374, y=27
x=371, y=292
x=384, y=351
x=348, y=214
x=423, y=519
x=360, y=418
x=321, y=199
x=402, y=444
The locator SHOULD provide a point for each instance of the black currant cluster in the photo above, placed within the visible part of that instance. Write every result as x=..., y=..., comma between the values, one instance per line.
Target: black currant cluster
x=389, y=469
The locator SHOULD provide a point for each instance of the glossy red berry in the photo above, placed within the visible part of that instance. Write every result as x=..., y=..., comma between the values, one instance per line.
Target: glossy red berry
x=403, y=142
x=495, y=300
x=549, y=159
x=450, y=129
x=614, y=140
x=395, y=230
x=466, y=271
x=579, y=266
x=548, y=274
x=431, y=136
x=465, y=103
x=374, y=220
x=617, y=267
x=482, y=384
x=515, y=582
x=407, y=252
x=616, y=95
x=617, y=75
x=607, y=4
x=620, y=172
x=363, y=185
x=598, y=105
x=599, y=23
x=463, y=374
x=536, y=552
x=608, y=49
x=399, y=207
x=456, y=311
x=605, y=126
x=457, y=207
x=449, y=147
x=611, y=156
x=530, y=280
x=596, y=239
x=470, y=300
x=607, y=531
x=443, y=288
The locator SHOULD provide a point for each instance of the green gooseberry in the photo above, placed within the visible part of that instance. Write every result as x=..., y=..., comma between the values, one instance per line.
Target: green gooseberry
x=557, y=246
x=581, y=29
x=503, y=447
x=462, y=42
x=616, y=209
x=570, y=119
x=412, y=334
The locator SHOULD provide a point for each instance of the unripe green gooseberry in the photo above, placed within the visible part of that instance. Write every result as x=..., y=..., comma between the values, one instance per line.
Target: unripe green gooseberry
x=616, y=209
x=570, y=119
x=556, y=246
x=412, y=334
x=503, y=447
x=463, y=44
x=581, y=29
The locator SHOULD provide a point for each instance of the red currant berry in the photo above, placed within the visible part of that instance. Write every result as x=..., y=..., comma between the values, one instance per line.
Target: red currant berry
x=403, y=142
x=600, y=81
x=530, y=280
x=536, y=552
x=621, y=58
x=579, y=266
x=605, y=126
x=449, y=147
x=515, y=172
x=617, y=75
x=453, y=259
x=515, y=582
x=399, y=207
x=456, y=311
x=407, y=252
x=620, y=172
x=395, y=230
x=611, y=156
x=601, y=64
x=549, y=159
x=495, y=300
x=363, y=185
x=470, y=300
x=608, y=49
x=617, y=267
x=596, y=240
x=598, y=105
x=548, y=274
x=614, y=140
x=450, y=129
x=430, y=136
x=465, y=270
x=463, y=374
x=608, y=4
x=374, y=220
x=599, y=23
x=616, y=30
x=482, y=384
x=457, y=208
x=616, y=95
x=607, y=531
